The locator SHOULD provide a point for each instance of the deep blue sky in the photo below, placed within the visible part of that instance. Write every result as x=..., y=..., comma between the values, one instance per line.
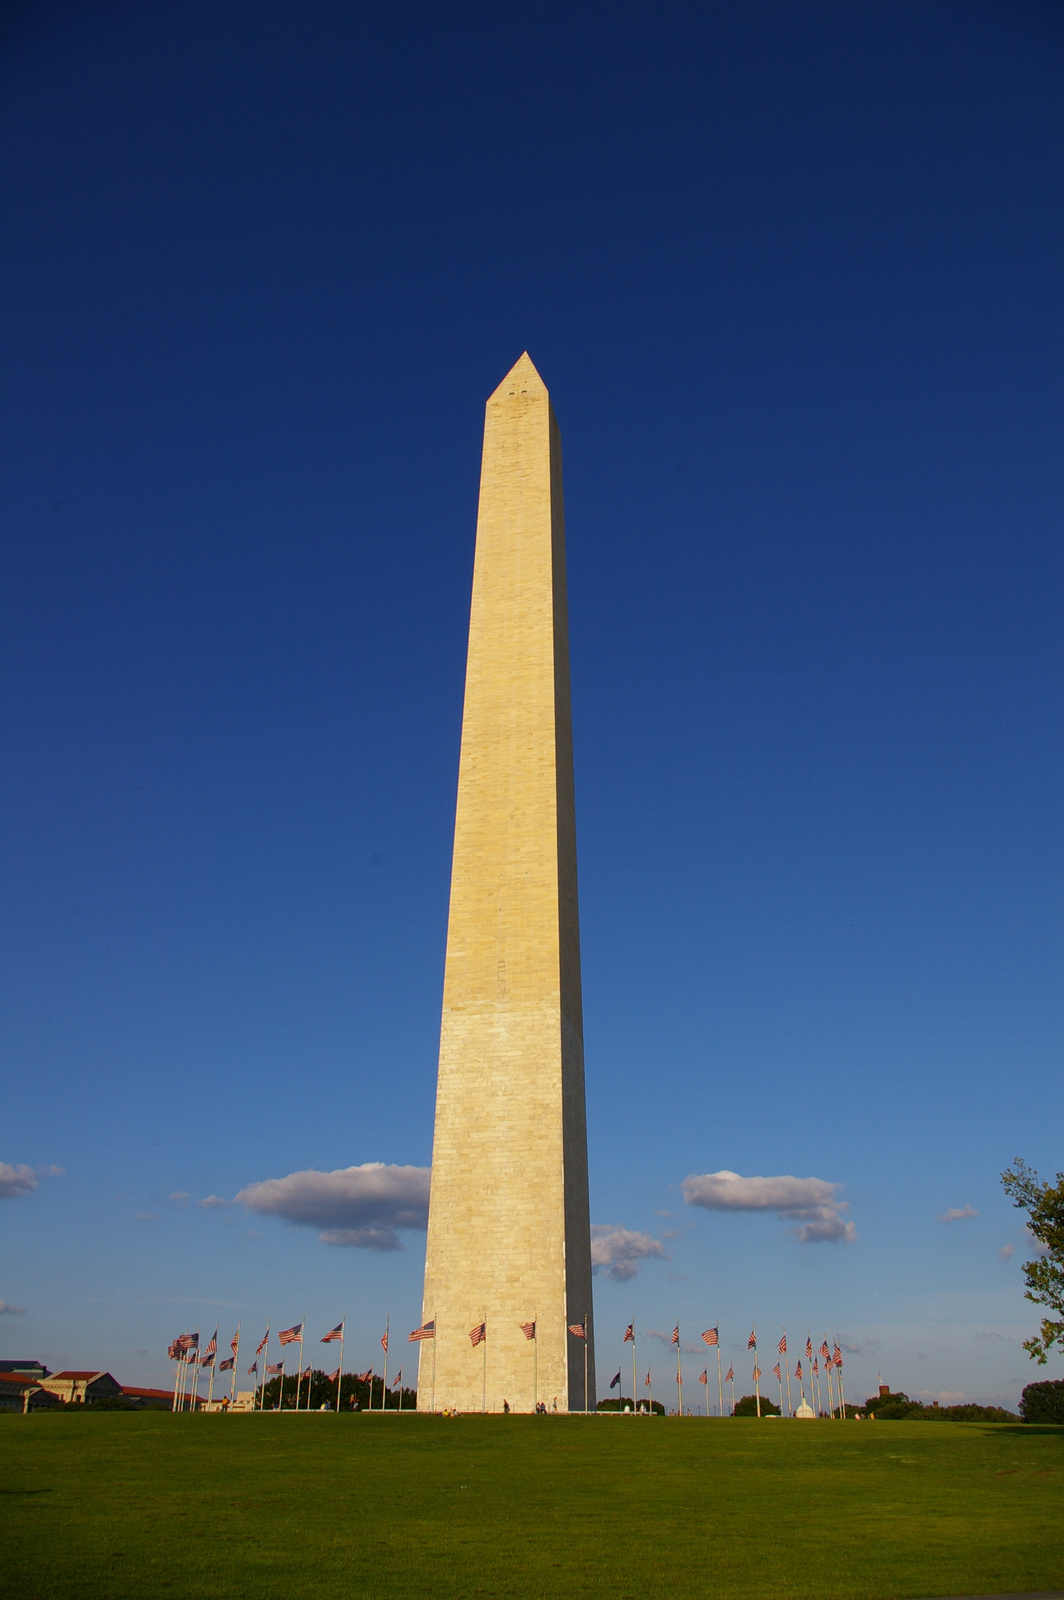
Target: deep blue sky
x=792, y=274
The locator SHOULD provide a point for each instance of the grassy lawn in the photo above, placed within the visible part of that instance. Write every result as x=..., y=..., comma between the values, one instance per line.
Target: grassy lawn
x=316, y=1505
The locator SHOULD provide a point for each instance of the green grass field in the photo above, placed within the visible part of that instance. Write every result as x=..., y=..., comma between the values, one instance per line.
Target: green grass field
x=143, y=1505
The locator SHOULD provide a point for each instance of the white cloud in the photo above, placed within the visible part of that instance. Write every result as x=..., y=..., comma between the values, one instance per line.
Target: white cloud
x=617, y=1252
x=370, y=1238
x=1035, y=1244
x=7, y=1310
x=20, y=1180
x=1006, y=1252
x=812, y=1202
x=361, y=1207
x=16, y=1181
x=180, y=1197
x=213, y=1200
x=957, y=1214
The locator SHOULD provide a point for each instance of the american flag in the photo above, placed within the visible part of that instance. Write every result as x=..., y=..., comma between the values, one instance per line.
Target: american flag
x=207, y=1359
x=751, y=1343
x=234, y=1343
x=798, y=1370
x=426, y=1331
x=711, y=1337
x=615, y=1380
x=273, y=1371
x=366, y=1377
x=705, y=1377
x=837, y=1357
x=778, y=1373
x=263, y=1342
x=213, y=1346
x=646, y=1381
x=384, y=1341
x=174, y=1351
x=756, y=1374
x=478, y=1334
x=729, y=1375
x=809, y=1349
x=528, y=1329
x=397, y=1380
x=824, y=1351
x=333, y=1333
x=783, y=1345
x=227, y=1365
x=676, y=1334
x=333, y=1376
x=815, y=1367
x=629, y=1334
x=187, y=1341
x=578, y=1330
x=292, y=1335
x=254, y=1367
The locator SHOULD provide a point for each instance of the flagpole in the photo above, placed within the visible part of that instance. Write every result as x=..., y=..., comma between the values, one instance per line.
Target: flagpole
x=177, y=1378
x=265, y=1364
x=384, y=1390
x=236, y=1363
x=757, y=1379
x=842, y=1391
x=340, y=1374
x=720, y=1384
x=634, y=1396
x=435, y=1332
x=733, y=1397
x=195, y=1375
x=299, y=1372
x=214, y=1365
x=679, y=1376
x=585, y=1363
x=790, y=1408
x=535, y=1363
x=484, y=1374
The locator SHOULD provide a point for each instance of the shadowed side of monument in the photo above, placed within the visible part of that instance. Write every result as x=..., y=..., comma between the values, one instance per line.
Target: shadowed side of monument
x=509, y=1230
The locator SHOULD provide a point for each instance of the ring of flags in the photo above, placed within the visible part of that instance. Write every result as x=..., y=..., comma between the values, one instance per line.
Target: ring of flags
x=826, y=1360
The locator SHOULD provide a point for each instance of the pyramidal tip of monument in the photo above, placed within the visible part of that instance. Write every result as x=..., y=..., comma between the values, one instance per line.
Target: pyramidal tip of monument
x=522, y=378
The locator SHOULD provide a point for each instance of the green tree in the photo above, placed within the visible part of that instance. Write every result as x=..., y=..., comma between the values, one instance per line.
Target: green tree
x=1044, y=1276
x=747, y=1407
x=323, y=1392
x=1043, y=1402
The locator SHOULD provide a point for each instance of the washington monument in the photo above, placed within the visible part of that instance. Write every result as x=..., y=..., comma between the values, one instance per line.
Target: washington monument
x=509, y=1238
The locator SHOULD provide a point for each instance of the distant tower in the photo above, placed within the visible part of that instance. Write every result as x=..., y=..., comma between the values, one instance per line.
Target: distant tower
x=509, y=1238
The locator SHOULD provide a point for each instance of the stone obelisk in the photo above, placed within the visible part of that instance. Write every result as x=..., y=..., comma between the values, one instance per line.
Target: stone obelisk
x=509, y=1239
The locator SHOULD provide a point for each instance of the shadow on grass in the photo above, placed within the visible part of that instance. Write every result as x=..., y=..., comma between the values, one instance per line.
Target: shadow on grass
x=1025, y=1430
